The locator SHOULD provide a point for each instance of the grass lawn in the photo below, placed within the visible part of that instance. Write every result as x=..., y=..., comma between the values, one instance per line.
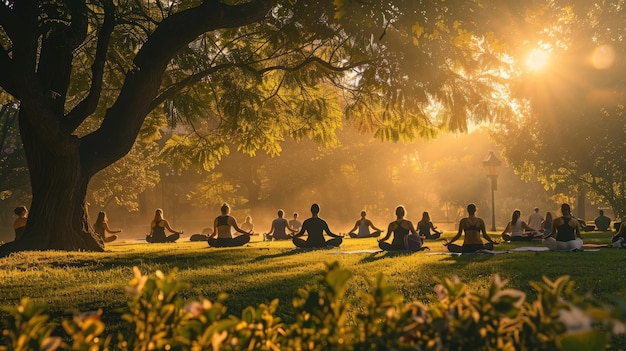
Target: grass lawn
x=262, y=271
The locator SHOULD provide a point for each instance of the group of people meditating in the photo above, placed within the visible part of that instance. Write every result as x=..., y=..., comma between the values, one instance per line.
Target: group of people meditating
x=561, y=233
x=315, y=228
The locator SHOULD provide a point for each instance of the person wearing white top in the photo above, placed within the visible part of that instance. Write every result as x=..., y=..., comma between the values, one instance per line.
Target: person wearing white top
x=516, y=229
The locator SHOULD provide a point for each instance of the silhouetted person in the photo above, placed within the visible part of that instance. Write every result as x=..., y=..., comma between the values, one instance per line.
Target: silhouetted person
x=546, y=225
x=619, y=238
x=315, y=227
x=602, y=222
x=278, y=229
x=364, y=225
x=517, y=230
x=157, y=229
x=400, y=228
x=473, y=227
x=247, y=225
x=101, y=227
x=424, y=226
x=565, y=234
x=535, y=219
x=19, y=225
x=295, y=223
x=222, y=229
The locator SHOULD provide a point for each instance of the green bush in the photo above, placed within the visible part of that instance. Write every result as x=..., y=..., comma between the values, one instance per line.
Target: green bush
x=497, y=319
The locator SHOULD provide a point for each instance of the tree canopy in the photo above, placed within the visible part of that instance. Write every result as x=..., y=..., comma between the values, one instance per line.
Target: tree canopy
x=571, y=137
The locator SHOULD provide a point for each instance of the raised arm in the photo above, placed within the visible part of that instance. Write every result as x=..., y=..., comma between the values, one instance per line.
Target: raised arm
x=528, y=228
x=327, y=230
x=233, y=222
x=167, y=225
x=214, y=228
x=303, y=229
x=389, y=230
x=106, y=227
x=373, y=226
x=356, y=225
x=458, y=234
x=507, y=230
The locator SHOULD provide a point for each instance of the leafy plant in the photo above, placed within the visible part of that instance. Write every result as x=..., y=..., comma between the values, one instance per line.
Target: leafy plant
x=459, y=319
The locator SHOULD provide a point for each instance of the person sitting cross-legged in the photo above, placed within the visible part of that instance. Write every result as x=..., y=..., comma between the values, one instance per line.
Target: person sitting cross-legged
x=472, y=227
x=315, y=227
x=222, y=229
x=518, y=230
x=400, y=228
x=565, y=234
x=278, y=229
x=364, y=225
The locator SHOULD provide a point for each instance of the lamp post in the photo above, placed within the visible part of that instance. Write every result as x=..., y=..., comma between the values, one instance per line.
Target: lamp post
x=491, y=165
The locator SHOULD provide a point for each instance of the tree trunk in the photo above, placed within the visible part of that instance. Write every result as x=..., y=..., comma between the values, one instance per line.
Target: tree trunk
x=58, y=216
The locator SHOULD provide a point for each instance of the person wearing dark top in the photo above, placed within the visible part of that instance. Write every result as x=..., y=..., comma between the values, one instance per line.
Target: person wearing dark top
x=400, y=229
x=472, y=227
x=20, y=222
x=315, y=227
x=565, y=234
x=157, y=230
x=101, y=227
x=619, y=239
x=424, y=226
x=602, y=222
x=222, y=229
x=546, y=225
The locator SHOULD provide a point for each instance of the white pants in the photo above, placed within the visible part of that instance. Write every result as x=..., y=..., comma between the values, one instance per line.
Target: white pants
x=554, y=245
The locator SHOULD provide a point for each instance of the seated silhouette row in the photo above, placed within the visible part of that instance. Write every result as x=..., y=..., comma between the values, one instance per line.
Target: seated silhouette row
x=315, y=229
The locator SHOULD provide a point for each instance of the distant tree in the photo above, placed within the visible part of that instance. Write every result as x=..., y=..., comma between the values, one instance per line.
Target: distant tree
x=259, y=70
x=572, y=136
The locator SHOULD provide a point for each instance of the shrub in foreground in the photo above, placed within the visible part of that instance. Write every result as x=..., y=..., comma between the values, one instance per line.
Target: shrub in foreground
x=459, y=319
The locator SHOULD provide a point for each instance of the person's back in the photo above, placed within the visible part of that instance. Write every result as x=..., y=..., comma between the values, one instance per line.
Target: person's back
x=424, y=226
x=315, y=227
x=158, y=231
x=535, y=219
x=279, y=226
x=602, y=222
x=399, y=232
x=565, y=233
x=565, y=230
x=471, y=229
x=295, y=224
x=223, y=227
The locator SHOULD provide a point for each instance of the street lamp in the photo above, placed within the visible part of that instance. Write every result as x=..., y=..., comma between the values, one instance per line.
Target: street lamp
x=491, y=165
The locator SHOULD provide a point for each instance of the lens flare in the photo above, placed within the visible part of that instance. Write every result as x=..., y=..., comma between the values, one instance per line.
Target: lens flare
x=537, y=59
x=603, y=57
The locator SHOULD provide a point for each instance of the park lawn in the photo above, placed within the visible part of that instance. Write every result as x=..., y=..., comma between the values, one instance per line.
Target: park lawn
x=263, y=271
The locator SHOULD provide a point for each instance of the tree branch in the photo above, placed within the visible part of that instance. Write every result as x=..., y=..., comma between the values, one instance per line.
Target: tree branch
x=61, y=35
x=89, y=104
x=123, y=120
x=195, y=78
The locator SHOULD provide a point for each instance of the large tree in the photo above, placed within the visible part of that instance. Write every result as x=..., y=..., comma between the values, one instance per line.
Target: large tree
x=573, y=139
x=256, y=70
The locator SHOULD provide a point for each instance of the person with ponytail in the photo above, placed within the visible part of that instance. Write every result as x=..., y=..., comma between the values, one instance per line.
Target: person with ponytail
x=565, y=234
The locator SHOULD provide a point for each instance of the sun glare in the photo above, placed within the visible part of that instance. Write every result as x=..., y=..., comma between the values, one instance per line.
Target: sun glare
x=537, y=59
